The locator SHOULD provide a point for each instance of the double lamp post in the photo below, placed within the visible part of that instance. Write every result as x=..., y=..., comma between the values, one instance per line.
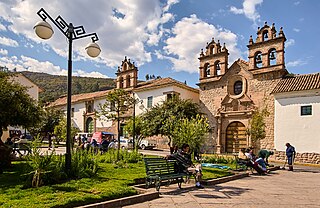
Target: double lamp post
x=44, y=30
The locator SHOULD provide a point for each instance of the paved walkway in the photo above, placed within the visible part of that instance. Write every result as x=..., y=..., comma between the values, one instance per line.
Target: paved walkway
x=280, y=189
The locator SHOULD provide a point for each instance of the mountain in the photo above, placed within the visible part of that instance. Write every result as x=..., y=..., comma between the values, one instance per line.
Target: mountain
x=55, y=86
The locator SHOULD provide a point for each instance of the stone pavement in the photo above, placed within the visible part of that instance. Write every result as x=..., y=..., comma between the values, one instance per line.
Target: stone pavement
x=281, y=189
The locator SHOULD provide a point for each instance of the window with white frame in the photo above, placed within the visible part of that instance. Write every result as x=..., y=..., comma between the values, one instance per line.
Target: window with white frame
x=149, y=103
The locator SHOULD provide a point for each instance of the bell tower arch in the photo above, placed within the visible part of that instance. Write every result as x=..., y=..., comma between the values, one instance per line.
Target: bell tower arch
x=214, y=62
x=127, y=74
x=266, y=54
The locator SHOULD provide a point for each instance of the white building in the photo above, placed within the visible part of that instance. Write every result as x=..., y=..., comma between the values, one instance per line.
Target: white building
x=32, y=89
x=149, y=93
x=297, y=116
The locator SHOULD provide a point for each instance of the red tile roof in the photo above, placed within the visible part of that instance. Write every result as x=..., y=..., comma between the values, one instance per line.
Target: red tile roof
x=79, y=97
x=298, y=83
x=151, y=84
x=157, y=83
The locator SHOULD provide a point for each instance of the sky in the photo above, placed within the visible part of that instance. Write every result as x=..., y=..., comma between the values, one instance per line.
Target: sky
x=162, y=37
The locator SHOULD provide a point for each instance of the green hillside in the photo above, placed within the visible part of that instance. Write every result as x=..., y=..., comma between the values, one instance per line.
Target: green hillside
x=55, y=86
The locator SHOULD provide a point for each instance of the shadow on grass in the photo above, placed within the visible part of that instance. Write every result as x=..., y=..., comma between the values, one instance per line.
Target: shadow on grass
x=12, y=176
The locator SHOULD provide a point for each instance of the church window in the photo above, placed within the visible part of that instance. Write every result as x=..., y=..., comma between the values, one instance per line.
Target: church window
x=258, y=60
x=238, y=87
x=265, y=35
x=272, y=57
x=218, y=69
x=128, y=81
x=120, y=82
x=207, y=72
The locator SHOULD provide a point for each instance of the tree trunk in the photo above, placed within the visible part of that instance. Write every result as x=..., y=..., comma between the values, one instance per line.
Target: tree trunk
x=118, y=121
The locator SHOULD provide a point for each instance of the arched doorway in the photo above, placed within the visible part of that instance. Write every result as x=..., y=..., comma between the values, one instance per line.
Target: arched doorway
x=89, y=125
x=236, y=137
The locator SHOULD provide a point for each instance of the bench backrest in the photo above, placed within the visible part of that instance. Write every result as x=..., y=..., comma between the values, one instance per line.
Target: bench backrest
x=159, y=166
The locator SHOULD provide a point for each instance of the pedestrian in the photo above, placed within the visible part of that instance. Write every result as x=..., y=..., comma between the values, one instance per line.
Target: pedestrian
x=184, y=163
x=290, y=153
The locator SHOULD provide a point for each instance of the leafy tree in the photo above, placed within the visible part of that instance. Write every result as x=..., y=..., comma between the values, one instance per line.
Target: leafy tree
x=190, y=131
x=16, y=106
x=161, y=119
x=139, y=129
x=118, y=102
x=257, y=126
x=60, y=130
x=147, y=77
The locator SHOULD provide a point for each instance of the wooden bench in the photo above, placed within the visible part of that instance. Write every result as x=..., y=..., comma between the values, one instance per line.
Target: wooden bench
x=159, y=170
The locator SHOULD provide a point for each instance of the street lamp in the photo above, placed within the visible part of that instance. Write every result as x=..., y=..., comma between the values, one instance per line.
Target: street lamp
x=44, y=30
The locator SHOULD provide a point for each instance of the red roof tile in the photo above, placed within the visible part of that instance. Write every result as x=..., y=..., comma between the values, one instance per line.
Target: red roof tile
x=298, y=83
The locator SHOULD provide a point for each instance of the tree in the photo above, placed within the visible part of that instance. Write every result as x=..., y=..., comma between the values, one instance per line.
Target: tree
x=257, y=126
x=161, y=119
x=16, y=106
x=139, y=129
x=190, y=131
x=60, y=130
x=49, y=120
x=147, y=77
x=118, y=102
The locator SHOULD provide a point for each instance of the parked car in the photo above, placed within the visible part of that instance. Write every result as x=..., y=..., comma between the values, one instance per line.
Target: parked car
x=147, y=144
x=125, y=143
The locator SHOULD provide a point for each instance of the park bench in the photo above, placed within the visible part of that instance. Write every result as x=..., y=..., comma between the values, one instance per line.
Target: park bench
x=160, y=170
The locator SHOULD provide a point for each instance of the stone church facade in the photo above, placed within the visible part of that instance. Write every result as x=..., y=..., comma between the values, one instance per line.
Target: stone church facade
x=230, y=95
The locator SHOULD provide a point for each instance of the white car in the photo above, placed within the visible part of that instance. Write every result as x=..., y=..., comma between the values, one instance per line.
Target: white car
x=147, y=144
x=124, y=143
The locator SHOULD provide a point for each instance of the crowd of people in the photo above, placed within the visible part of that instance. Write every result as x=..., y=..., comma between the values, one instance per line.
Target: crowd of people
x=106, y=144
x=260, y=161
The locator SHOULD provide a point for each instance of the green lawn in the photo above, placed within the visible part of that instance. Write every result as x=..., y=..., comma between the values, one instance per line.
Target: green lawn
x=110, y=183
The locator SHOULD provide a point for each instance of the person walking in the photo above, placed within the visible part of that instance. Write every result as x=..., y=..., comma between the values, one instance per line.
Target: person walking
x=290, y=153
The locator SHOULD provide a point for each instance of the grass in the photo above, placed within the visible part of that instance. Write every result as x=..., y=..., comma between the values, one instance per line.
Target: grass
x=112, y=181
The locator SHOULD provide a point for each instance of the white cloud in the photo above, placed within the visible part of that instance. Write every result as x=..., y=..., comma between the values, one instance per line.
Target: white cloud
x=141, y=24
x=183, y=48
x=8, y=42
x=296, y=3
x=249, y=10
x=2, y=27
x=3, y=52
x=298, y=62
x=169, y=4
x=24, y=63
x=296, y=29
x=290, y=42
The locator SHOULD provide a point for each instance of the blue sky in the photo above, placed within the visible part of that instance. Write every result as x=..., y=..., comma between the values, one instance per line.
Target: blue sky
x=163, y=37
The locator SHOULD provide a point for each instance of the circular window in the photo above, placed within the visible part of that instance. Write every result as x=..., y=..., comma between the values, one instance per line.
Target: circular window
x=238, y=87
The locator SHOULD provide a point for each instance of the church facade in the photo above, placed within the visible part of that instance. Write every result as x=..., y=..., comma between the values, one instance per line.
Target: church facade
x=229, y=95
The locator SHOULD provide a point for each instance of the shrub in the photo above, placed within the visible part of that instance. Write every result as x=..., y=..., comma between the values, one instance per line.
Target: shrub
x=220, y=159
x=124, y=156
x=50, y=168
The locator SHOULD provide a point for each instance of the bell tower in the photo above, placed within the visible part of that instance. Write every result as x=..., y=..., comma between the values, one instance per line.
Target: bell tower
x=266, y=54
x=127, y=74
x=214, y=62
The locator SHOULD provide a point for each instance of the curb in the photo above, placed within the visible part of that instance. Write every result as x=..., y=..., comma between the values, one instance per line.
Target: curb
x=124, y=201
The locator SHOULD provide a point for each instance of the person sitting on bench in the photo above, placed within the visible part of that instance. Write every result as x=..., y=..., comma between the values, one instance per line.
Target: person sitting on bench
x=185, y=164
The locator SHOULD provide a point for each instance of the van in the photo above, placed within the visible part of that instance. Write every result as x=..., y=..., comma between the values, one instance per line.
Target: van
x=100, y=135
x=86, y=135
